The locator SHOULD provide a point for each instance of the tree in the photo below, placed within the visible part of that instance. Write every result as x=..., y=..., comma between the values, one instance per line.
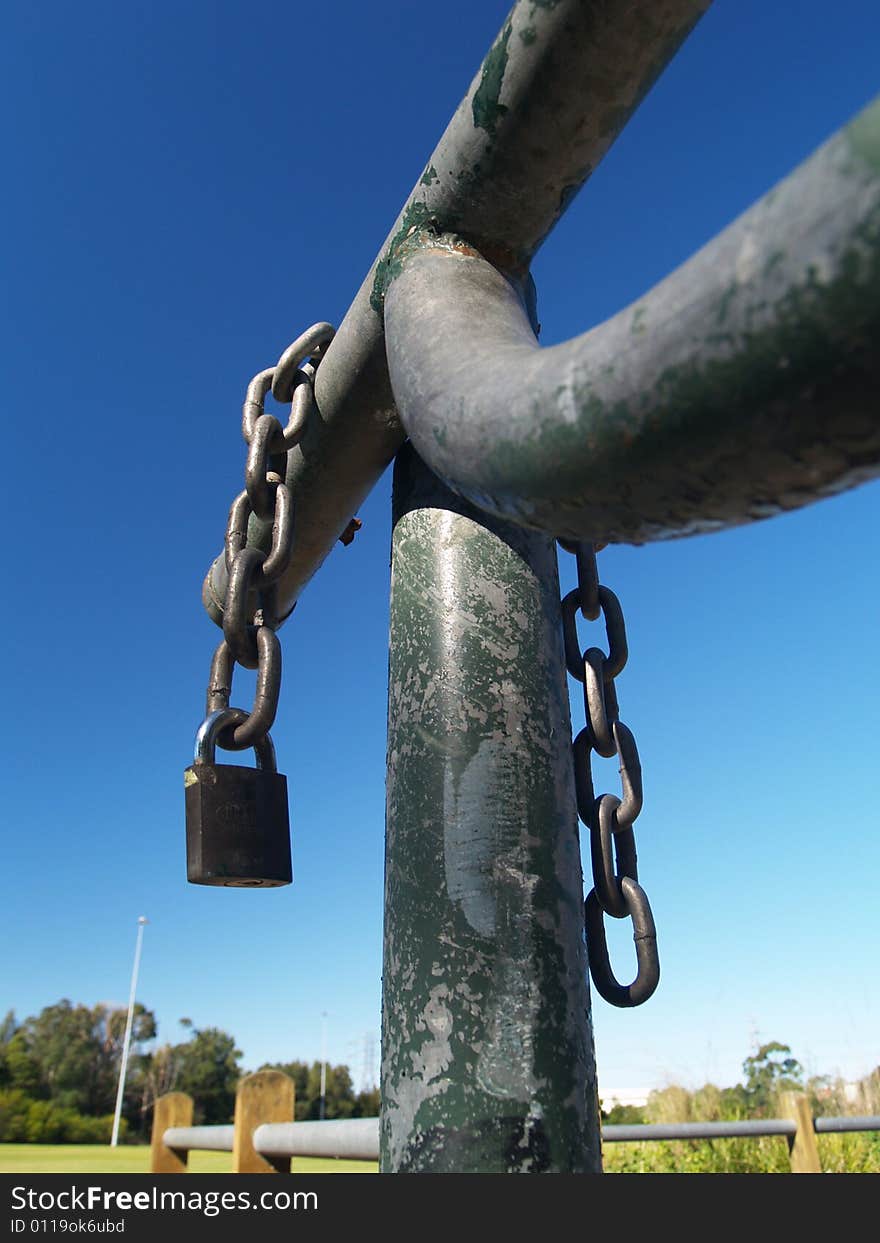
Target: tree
x=71, y=1054
x=367, y=1103
x=768, y=1072
x=8, y=1027
x=207, y=1068
x=149, y=1075
x=20, y=1070
x=339, y=1097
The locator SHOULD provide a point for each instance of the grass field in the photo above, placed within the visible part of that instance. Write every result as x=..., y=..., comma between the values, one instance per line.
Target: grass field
x=135, y=1159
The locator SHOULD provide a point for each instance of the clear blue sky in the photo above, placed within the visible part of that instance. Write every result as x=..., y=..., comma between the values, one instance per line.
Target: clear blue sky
x=187, y=186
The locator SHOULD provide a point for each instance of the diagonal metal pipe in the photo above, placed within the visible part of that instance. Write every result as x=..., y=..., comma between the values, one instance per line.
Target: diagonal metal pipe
x=744, y=384
x=554, y=91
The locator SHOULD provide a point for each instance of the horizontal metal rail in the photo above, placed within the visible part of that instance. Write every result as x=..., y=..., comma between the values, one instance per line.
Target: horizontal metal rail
x=354, y=1138
x=209, y=1138
x=554, y=91
x=745, y=384
x=749, y=1128
x=867, y=1123
x=357, y=1139
x=752, y=1128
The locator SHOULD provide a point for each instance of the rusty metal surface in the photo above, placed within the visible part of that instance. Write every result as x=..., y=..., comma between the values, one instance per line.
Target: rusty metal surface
x=262, y=715
x=487, y=1045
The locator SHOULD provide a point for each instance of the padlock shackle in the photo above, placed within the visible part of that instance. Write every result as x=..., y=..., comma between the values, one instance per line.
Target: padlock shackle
x=206, y=738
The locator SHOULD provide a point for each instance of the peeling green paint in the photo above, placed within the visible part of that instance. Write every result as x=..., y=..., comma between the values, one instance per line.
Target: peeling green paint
x=795, y=349
x=773, y=260
x=429, y=176
x=725, y=301
x=528, y=35
x=864, y=135
x=719, y=338
x=638, y=325
x=702, y=424
x=487, y=1046
x=487, y=110
x=417, y=215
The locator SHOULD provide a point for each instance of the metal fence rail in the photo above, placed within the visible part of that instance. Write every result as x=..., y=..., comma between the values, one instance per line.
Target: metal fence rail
x=868, y=1123
x=354, y=1138
x=357, y=1139
x=204, y=1138
x=751, y=1128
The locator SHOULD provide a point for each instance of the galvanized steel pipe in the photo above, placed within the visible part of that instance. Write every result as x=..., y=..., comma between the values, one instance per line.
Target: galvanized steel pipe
x=207, y=1138
x=832, y=1126
x=746, y=1128
x=745, y=384
x=554, y=91
x=354, y=1138
x=752, y=1128
x=358, y=1138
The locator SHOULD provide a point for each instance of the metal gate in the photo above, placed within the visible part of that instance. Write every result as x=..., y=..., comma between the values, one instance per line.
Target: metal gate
x=744, y=385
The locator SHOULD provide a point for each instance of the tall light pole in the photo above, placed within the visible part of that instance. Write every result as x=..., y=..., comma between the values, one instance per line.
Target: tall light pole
x=126, y=1041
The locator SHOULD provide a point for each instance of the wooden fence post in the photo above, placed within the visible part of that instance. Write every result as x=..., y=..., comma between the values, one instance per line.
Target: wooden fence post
x=802, y=1146
x=266, y=1096
x=173, y=1109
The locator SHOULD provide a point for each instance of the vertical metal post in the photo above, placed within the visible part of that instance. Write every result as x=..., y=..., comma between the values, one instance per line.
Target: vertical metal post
x=126, y=1039
x=322, y=1104
x=487, y=1058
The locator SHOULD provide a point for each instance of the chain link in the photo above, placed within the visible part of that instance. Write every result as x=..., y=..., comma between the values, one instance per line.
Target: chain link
x=616, y=891
x=250, y=608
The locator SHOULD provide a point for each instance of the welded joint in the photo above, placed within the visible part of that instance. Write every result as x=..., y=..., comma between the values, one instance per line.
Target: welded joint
x=429, y=236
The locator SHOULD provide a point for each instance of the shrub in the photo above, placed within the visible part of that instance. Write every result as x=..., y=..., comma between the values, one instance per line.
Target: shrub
x=24, y=1120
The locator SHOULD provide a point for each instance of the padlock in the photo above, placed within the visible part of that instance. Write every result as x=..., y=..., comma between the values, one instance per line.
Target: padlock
x=237, y=826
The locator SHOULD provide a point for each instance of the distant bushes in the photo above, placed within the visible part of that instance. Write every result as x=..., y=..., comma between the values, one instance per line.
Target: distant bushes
x=24, y=1120
x=853, y=1153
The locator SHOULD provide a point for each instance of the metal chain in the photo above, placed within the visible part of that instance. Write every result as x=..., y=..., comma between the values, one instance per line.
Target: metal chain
x=616, y=891
x=250, y=608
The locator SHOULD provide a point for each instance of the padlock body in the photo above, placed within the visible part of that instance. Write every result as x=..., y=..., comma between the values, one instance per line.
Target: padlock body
x=237, y=826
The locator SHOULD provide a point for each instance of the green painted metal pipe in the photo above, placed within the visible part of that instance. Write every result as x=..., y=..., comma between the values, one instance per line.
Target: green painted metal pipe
x=553, y=93
x=487, y=1050
x=745, y=384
